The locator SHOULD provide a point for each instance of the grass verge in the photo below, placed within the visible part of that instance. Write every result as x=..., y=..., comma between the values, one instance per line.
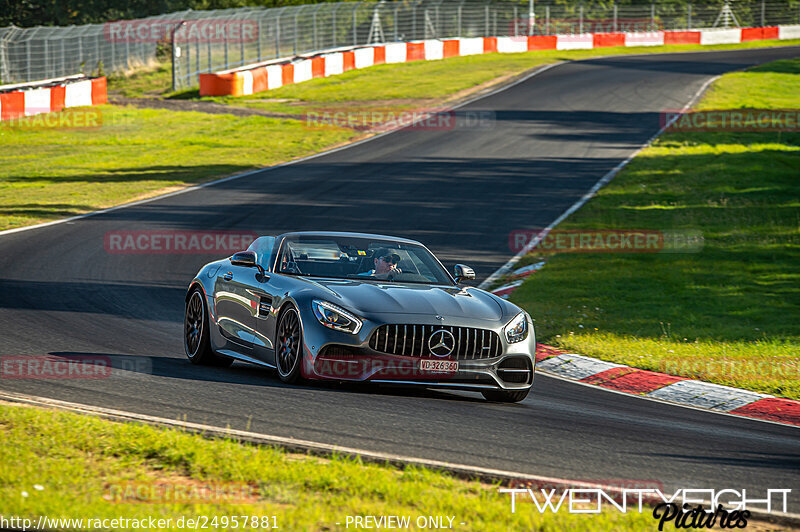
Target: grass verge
x=729, y=314
x=63, y=465
x=151, y=81
x=47, y=174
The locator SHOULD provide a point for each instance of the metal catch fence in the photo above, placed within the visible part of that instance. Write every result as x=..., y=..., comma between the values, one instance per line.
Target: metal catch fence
x=209, y=41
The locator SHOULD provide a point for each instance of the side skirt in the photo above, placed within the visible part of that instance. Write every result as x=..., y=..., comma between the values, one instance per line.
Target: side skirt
x=244, y=358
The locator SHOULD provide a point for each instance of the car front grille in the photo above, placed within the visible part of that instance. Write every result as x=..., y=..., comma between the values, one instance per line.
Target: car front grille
x=412, y=340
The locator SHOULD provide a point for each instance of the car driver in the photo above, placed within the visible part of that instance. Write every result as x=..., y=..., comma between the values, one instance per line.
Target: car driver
x=385, y=265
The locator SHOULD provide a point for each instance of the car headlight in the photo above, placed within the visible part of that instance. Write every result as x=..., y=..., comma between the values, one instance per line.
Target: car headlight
x=517, y=329
x=335, y=318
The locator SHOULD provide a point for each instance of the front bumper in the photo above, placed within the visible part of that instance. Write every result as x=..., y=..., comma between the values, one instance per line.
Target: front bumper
x=333, y=355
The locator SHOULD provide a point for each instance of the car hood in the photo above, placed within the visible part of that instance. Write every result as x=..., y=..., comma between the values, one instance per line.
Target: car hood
x=368, y=298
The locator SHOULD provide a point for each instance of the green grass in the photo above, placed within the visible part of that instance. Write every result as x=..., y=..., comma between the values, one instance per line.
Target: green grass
x=729, y=314
x=151, y=81
x=47, y=174
x=87, y=467
x=770, y=86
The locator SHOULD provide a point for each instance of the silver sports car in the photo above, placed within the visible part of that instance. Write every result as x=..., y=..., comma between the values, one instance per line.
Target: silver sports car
x=358, y=307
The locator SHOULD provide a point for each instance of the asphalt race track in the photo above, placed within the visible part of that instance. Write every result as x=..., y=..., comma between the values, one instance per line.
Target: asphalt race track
x=461, y=192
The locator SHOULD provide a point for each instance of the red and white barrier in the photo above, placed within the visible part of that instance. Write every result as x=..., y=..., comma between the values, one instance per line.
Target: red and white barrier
x=273, y=76
x=302, y=71
x=470, y=46
x=364, y=57
x=433, y=50
x=45, y=97
x=649, y=38
x=759, y=34
x=583, y=41
x=255, y=78
x=334, y=64
x=512, y=45
x=396, y=52
x=729, y=36
x=37, y=101
x=789, y=32
x=681, y=37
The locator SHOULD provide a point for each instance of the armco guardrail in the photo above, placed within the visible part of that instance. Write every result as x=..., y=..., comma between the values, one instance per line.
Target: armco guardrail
x=265, y=76
x=18, y=101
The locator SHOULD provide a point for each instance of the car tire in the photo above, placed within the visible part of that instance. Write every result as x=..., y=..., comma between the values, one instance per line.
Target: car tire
x=196, y=341
x=502, y=396
x=289, y=345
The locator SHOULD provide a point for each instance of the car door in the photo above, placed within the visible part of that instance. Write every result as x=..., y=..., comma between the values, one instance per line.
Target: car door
x=263, y=331
x=237, y=303
x=273, y=297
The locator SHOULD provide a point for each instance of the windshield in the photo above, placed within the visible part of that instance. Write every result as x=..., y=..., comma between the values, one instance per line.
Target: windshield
x=360, y=259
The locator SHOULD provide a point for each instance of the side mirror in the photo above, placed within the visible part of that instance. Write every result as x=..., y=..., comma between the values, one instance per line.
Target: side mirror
x=248, y=259
x=244, y=258
x=463, y=272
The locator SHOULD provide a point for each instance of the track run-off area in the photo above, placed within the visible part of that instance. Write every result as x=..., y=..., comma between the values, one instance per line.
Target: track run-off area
x=459, y=191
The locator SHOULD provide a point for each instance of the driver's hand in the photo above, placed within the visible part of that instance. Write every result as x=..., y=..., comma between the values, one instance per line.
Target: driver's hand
x=393, y=270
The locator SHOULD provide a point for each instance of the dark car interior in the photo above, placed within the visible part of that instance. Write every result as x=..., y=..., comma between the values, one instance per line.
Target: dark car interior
x=344, y=260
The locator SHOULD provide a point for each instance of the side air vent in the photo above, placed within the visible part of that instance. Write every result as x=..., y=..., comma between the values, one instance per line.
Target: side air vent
x=516, y=370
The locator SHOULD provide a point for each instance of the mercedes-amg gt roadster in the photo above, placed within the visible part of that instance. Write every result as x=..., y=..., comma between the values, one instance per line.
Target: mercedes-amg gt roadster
x=358, y=307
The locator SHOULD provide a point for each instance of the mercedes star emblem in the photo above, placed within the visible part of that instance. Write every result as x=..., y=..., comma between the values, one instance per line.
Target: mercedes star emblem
x=441, y=343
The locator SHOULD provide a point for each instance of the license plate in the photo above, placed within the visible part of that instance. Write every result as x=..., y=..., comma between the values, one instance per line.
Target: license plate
x=442, y=366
